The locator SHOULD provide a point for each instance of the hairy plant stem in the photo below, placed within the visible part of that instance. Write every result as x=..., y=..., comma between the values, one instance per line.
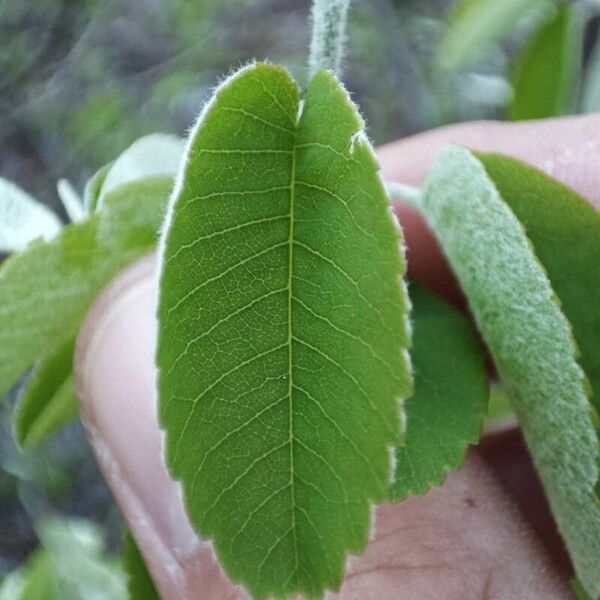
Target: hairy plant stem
x=329, y=24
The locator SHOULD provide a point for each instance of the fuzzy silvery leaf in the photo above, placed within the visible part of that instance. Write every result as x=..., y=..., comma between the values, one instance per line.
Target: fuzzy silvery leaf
x=282, y=331
x=565, y=231
x=531, y=340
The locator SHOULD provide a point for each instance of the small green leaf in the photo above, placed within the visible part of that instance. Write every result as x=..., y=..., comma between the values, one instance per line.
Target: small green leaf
x=476, y=25
x=445, y=413
x=70, y=200
x=46, y=291
x=547, y=74
x=282, y=331
x=48, y=400
x=23, y=219
x=139, y=583
x=157, y=154
x=565, y=231
x=92, y=189
x=530, y=339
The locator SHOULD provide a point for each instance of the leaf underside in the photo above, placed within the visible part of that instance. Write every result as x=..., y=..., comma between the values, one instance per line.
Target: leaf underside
x=46, y=290
x=565, y=231
x=445, y=413
x=282, y=332
x=531, y=341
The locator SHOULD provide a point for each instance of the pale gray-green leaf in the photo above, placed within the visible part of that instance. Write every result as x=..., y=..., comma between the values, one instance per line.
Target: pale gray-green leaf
x=70, y=200
x=531, y=341
x=282, y=331
x=23, y=219
x=157, y=154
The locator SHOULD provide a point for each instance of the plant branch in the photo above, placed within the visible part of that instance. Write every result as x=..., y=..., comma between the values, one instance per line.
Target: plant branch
x=329, y=24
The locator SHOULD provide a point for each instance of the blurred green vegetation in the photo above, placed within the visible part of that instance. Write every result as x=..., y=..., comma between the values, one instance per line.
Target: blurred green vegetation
x=80, y=80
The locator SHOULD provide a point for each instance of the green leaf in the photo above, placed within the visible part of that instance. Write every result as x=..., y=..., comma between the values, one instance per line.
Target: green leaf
x=153, y=155
x=282, y=331
x=46, y=291
x=91, y=192
x=565, y=231
x=476, y=25
x=23, y=219
x=445, y=413
x=48, y=401
x=546, y=77
x=531, y=341
x=139, y=583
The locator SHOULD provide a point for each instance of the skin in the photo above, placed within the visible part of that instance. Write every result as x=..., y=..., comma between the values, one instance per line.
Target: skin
x=466, y=540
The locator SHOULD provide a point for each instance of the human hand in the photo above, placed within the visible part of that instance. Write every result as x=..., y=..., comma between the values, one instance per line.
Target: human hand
x=465, y=540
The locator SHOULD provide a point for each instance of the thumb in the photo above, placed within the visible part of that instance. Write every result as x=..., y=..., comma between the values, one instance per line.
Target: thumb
x=464, y=540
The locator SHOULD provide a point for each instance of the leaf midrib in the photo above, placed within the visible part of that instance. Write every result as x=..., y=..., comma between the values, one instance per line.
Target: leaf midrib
x=290, y=342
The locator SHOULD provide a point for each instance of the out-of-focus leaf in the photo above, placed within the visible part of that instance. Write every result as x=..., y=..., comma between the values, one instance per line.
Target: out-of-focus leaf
x=23, y=219
x=46, y=291
x=546, y=78
x=157, y=154
x=91, y=192
x=76, y=549
x=70, y=200
x=530, y=339
x=282, y=331
x=590, y=95
x=139, y=583
x=445, y=413
x=48, y=400
x=475, y=25
x=69, y=564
